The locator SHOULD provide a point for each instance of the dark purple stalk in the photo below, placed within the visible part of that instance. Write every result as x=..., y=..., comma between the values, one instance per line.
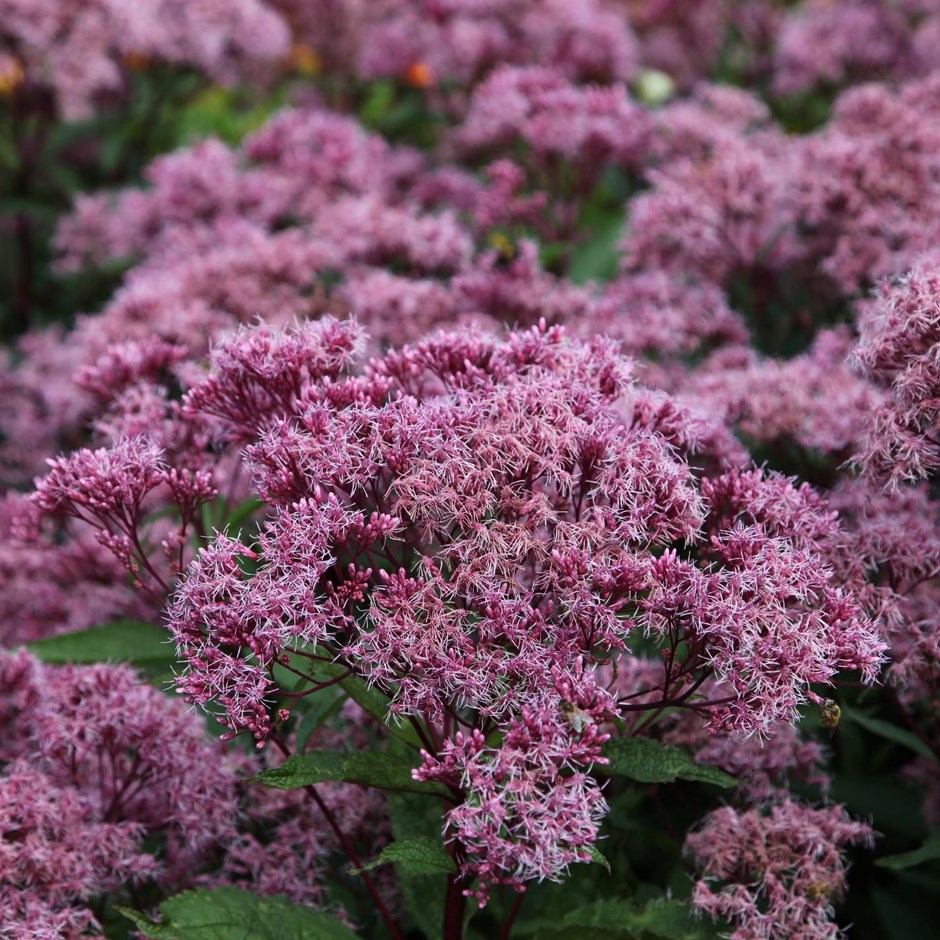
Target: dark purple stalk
x=333, y=823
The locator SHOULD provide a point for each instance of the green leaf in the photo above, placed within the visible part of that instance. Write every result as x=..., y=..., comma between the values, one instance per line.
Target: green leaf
x=413, y=816
x=553, y=253
x=902, y=912
x=379, y=100
x=233, y=914
x=652, y=761
x=124, y=641
x=367, y=768
x=370, y=700
x=598, y=858
x=884, y=729
x=616, y=919
x=321, y=705
x=876, y=796
x=241, y=513
x=376, y=704
x=597, y=258
x=419, y=855
x=928, y=852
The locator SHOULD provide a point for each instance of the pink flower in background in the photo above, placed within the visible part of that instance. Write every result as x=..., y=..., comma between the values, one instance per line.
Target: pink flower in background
x=58, y=856
x=518, y=292
x=55, y=586
x=461, y=40
x=82, y=51
x=128, y=759
x=716, y=218
x=712, y=117
x=865, y=186
x=826, y=43
x=656, y=314
x=589, y=126
x=813, y=400
x=899, y=348
x=769, y=871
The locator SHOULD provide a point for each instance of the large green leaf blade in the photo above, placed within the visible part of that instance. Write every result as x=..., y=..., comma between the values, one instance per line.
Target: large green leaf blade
x=414, y=816
x=651, y=761
x=417, y=855
x=234, y=914
x=615, y=919
x=123, y=641
x=382, y=770
x=370, y=700
x=317, y=712
x=928, y=852
x=376, y=704
x=890, y=732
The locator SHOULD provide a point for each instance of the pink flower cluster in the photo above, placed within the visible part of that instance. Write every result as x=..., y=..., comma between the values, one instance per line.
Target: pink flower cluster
x=82, y=51
x=57, y=586
x=491, y=513
x=460, y=40
x=556, y=119
x=826, y=43
x=532, y=810
x=899, y=348
x=774, y=874
x=95, y=763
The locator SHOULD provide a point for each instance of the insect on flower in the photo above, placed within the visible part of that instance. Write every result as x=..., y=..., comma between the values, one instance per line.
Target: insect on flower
x=577, y=718
x=817, y=890
x=829, y=715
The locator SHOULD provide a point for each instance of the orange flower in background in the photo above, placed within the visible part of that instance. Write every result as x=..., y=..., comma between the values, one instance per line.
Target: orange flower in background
x=11, y=75
x=419, y=75
x=137, y=61
x=305, y=60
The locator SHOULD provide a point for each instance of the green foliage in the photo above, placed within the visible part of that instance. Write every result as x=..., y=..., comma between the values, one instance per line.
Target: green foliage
x=416, y=817
x=928, y=852
x=885, y=729
x=399, y=113
x=123, y=641
x=376, y=704
x=234, y=520
x=887, y=886
x=597, y=258
x=418, y=855
x=598, y=858
x=45, y=163
x=230, y=114
x=383, y=770
x=370, y=700
x=622, y=920
x=805, y=112
x=317, y=710
x=651, y=761
x=233, y=914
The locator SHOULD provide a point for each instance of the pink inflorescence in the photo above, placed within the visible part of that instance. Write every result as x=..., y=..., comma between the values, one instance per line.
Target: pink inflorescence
x=84, y=51
x=900, y=348
x=471, y=513
x=774, y=874
x=96, y=762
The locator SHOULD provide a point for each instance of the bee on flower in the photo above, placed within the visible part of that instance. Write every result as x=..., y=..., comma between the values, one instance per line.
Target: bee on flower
x=579, y=719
